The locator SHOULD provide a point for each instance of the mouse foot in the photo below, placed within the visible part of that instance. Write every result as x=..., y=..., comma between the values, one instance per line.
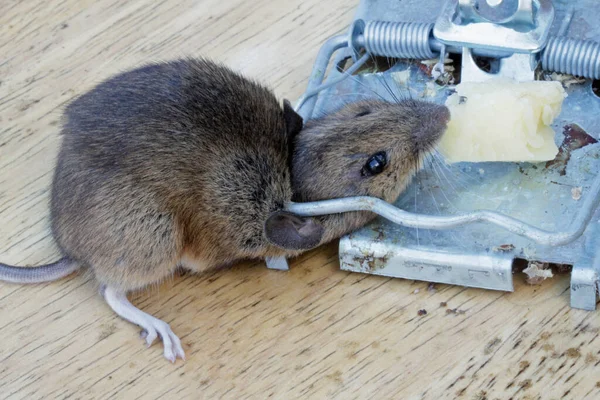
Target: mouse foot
x=152, y=327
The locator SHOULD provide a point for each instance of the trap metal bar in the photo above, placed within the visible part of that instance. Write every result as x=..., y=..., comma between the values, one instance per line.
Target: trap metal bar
x=466, y=223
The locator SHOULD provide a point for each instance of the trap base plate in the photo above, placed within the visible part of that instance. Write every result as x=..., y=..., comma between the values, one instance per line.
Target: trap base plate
x=546, y=196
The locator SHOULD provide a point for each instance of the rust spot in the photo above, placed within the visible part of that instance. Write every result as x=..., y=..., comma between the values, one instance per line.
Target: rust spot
x=504, y=248
x=373, y=263
x=380, y=234
x=443, y=304
x=575, y=138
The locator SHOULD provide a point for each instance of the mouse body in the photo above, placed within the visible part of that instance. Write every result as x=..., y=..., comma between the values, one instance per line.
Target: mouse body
x=189, y=164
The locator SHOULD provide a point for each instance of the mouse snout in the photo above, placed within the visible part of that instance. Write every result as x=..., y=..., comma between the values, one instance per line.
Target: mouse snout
x=444, y=114
x=434, y=123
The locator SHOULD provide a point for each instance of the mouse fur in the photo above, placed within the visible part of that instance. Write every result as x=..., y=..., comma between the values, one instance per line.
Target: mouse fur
x=187, y=163
x=173, y=163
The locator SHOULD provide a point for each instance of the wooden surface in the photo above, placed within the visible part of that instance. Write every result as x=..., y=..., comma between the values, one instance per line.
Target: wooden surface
x=314, y=332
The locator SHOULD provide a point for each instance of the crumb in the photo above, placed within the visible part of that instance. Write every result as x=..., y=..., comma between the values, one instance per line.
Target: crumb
x=430, y=90
x=548, y=347
x=336, y=377
x=526, y=384
x=106, y=331
x=455, y=311
x=565, y=79
x=431, y=288
x=481, y=171
x=576, y=193
x=401, y=77
x=481, y=395
x=537, y=272
x=416, y=291
x=590, y=358
x=443, y=304
x=422, y=312
x=545, y=335
x=489, y=348
x=573, y=353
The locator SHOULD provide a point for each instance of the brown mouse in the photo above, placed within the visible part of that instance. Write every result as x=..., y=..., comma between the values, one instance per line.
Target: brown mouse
x=187, y=163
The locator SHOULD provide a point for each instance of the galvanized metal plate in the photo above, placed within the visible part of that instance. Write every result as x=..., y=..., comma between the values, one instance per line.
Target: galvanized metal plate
x=542, y=196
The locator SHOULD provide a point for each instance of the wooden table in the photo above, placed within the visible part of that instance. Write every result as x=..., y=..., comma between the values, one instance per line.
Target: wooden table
x=314, y=332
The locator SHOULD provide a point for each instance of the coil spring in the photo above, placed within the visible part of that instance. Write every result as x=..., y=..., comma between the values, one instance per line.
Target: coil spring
x=398, y=39
x=571, y=56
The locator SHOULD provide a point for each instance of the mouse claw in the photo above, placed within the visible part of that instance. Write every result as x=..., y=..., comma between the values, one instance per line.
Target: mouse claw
x=151, y=337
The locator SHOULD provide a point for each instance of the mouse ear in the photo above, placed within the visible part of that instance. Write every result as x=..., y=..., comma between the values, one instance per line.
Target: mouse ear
x=293, y=121
x=291, y=232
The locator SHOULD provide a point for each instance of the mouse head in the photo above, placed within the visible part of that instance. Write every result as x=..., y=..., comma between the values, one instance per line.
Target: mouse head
x=368, y=148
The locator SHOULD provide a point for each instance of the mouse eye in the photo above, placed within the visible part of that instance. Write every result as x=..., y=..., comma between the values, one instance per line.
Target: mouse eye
x=364, y=112
x=375, y=164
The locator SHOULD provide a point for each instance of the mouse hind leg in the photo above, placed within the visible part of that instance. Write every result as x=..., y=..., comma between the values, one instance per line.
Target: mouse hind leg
x=152, y=326
x=132, y=246
x=148, y=256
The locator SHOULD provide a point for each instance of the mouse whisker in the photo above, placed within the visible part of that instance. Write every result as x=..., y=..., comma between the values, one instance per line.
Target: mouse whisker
x=440, y=187
x=461, y=178
x=383, y=80
x=359, y=81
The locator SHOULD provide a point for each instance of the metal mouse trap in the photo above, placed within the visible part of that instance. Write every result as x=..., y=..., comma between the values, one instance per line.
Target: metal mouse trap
x=467, y=223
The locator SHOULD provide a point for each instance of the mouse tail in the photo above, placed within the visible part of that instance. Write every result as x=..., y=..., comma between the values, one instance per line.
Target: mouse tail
x=43, y=273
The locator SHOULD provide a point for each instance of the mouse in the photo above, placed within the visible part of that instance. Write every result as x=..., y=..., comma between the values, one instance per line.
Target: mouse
x=188, y=164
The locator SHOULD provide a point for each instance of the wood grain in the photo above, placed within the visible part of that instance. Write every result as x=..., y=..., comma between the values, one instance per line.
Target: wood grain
x=314, y=332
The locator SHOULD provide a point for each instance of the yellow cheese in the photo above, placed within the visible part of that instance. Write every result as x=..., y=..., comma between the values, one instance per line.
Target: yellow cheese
x=502, y=120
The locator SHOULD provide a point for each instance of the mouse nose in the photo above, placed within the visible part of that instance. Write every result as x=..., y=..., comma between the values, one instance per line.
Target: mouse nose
x=433, y=126
x=442, y=114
